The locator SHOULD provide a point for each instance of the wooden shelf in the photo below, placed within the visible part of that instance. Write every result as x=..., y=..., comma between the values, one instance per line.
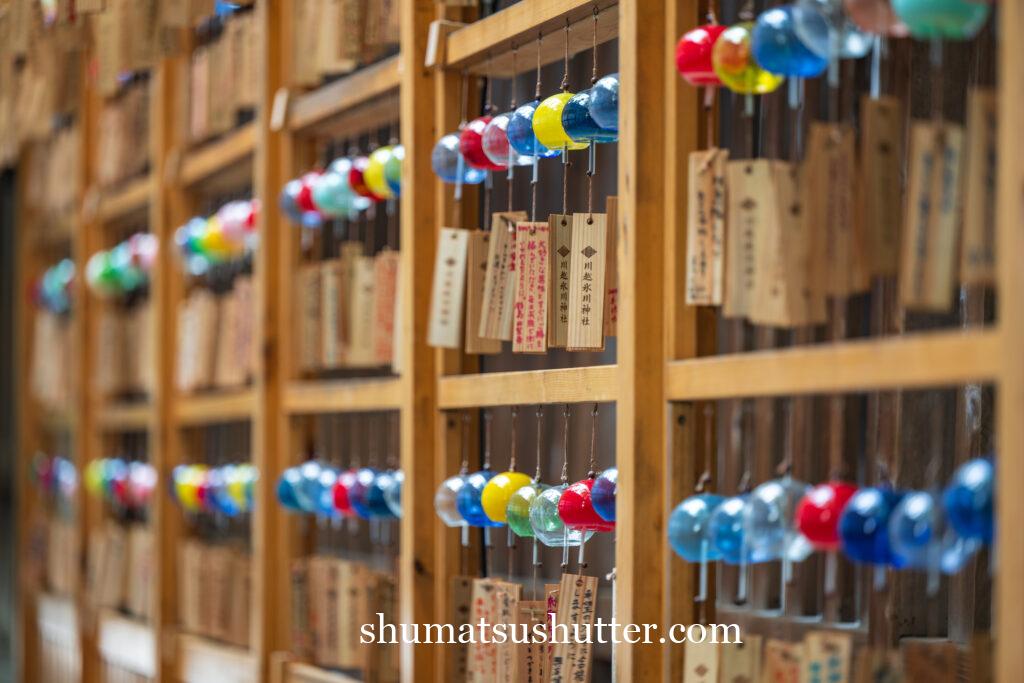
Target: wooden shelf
x=345, y=395
x=307, y=673
x=126, y=643
x=321, y=107
x=212, y=158
x=486, y=46
x=127, y=199
x=569, y=385
x=911, y=361
x=216, y=406
x=124, y=416
x=201, y=660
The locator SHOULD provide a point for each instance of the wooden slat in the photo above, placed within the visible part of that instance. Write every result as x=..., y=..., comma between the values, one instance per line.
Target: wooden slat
x=568, y=385
x=124, y=416
x=220, y=406
x=319, y=106
x=201, y=661
x=213, y=158
x=128, y=199
x=306, y=673
x=486, y=46
x=921, y=360
x=349, y=395
x=127, y=643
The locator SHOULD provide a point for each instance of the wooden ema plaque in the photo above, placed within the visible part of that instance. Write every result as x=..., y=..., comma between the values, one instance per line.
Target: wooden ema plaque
x=749, y=182
x=385, y=287
x=530, y=310
x=705, y=227
x=483, y=656
x=586, y=282
x=783, y=662
x=577, y=599
x=459, y=612
x=928, y=260
x=560, y=249
x=332, y=329
x=702, y=662
x=308, y=292
x=361, y=315
x=476, y=276
x=827, y=657
x=446, y=297
x=532, y=666
x=741, y=662
x=881, y=186
x=611, y=269
x=977, y=253
x=499, y=281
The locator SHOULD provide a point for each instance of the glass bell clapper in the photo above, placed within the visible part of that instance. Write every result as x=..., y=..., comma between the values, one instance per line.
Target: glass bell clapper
x=817, y=520
x=951, y=19
x=876, y=16
x=733, y=62
x=496, y=144
x=969, y=500
x=604, y=103
x=693, y=55
x=449, y=164
x=471, y=145
x=689, y=533
x=726, y=529
x=864, y=529
x=602, y=495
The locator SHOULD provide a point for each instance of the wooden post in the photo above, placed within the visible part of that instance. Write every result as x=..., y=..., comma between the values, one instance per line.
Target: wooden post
x=640, y=548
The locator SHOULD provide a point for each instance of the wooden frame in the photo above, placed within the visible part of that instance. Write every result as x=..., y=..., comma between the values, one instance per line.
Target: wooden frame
x=664, y=372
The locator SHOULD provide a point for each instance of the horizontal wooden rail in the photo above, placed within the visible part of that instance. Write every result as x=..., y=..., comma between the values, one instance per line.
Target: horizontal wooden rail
x=318, y=107
x=346, y=395
x=124, y=416
x=127, y=643
x=569, y=385
x=130, y=198
x=216, y=406
x=201, y=660
x=486, y=46
x=212, y=158
x=911, y=361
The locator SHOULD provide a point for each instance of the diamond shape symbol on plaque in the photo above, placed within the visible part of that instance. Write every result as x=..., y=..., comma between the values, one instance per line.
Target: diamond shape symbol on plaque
x=563, y=251
x=450, y=262
x=748, y=203
x=589, y=251
x=701, y=670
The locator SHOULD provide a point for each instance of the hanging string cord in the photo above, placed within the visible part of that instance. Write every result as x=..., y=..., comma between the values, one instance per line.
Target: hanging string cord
x=465, y=443
x=565, y=156
x=534, y=181
x=487, y=439
x=565, y=445
x=565, y=73
x=515, y=424
x=457, y=204
x=591, y=167
x=593, y=442
x=540, y=433
x=512, y=108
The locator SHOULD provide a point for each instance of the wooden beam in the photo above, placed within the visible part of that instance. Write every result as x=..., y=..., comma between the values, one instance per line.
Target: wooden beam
x=486, y=46
x=1009, y=594
x=918, y=360
x=213, y=158
x=215, y=407
x=318, y=107
x=113, y=417
x=641, y=412
x=126, y=200
x=564, y=385
x=346, y=395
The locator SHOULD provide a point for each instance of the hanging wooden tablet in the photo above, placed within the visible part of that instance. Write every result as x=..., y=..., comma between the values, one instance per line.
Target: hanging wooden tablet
x=247, y=347
x=705, y=227
x=228, y=371
x=783, y=662
x=977, y=253
x=107, y=375
x=577, y=600
x=532, y=656
x=506, y=602
x=827, y=657
x=530, y=310
x=460, y=593
x=560, y=227
x=702, y=662
x=476, y=277
x=741, y=662
x=881, y=183
x=317, y=606
x=482, y=655
x=773, y=298
x=929, y=248
x=749, y=205
x=499, y=282
x=299, y=584
x=932, y=660
x=611, y=268
x=396, y=325
x=206, y=326
x=875, y=665
x=979, y=659
x=385, y=285
x=241, y=599
x=551, y=591
x=349, y=252
x=361, y=318
x=145, y=351
x=308, y=309
x=348, y=629
x=445, y=326
x=586, y=282
x=805, y=303
x=829, y=202
x=332, y=327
